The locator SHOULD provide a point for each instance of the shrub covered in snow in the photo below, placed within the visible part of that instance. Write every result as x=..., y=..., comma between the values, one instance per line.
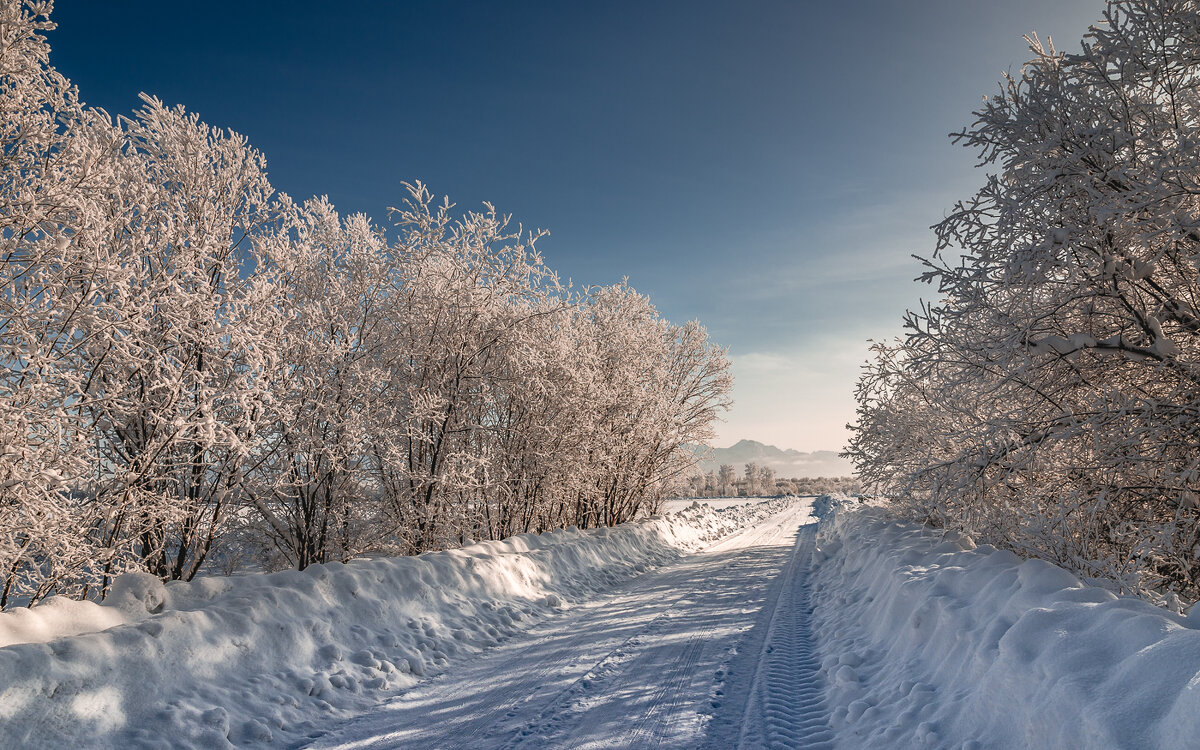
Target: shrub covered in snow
x=1048, y=400
x=189, y=359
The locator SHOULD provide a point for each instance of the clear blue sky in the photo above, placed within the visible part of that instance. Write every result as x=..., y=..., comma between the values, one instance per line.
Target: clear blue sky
x=764, y=167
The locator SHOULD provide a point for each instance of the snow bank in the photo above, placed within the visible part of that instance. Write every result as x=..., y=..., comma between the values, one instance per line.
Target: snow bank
x=266, y=658
x=932, y=642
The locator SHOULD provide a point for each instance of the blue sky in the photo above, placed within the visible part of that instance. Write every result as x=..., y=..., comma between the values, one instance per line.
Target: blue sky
x=764, y=167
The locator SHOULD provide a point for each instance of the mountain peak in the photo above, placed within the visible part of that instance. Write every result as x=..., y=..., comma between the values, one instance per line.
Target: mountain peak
x=786, y=463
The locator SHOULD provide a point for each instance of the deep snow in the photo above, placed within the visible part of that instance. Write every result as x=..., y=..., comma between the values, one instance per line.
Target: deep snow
x=271, y=658
x=869, y=633
x=929, y=641
x=648, y=664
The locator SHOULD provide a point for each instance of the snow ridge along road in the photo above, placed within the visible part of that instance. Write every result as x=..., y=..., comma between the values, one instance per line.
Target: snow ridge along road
x=272, y=659
x=668, y=659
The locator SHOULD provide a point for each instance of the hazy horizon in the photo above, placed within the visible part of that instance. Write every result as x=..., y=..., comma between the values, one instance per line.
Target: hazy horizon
x=771, y=445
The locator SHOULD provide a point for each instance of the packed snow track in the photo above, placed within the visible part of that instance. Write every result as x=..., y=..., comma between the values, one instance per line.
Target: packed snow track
x=712, y=651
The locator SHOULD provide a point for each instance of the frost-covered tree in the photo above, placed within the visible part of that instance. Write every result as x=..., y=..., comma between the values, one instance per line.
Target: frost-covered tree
x=468, y=285
x=1048, y=400
x=331, y=390
x=53, y=161
x=193, y=363
x=766, y=480
x=727, y=478
x=750, y=478
x=658, y=388
x=177, y=337
x=130, y=329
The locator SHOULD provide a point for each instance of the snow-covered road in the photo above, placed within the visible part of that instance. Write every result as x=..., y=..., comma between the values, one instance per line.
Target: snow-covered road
x=711, y=651
x=749, y=627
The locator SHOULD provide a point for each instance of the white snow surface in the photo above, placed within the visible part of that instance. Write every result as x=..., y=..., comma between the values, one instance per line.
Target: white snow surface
x=267, y=659
x=665, y=660
x=675, y=505
x=928, y=641
x=866, y=633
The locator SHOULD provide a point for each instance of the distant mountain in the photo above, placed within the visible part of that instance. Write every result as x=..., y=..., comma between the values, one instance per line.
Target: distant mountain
x=786, y=463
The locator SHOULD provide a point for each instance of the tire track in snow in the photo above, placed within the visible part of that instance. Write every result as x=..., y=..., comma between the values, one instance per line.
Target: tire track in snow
x=629, y=670
x=786, y=706
x=615, y=673
x=540, y=663
x=571, y=703
x=651, y=728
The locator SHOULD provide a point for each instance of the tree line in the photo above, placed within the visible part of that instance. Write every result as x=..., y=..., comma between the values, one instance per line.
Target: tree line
x=194, y=366
x=1049, y=399
x=759, y=481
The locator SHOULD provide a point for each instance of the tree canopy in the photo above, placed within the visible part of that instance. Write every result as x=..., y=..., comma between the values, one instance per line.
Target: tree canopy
x=1048, y=400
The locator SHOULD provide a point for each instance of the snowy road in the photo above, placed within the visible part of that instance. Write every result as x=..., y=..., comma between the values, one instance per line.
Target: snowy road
x=876, y=633
x=712, y=651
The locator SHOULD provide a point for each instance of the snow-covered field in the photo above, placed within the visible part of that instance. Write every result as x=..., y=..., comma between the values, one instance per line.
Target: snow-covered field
x=717, y=503
x=740, y=627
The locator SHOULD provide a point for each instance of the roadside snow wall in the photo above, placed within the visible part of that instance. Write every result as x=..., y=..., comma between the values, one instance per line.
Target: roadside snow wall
x=931, y=642
x=263, y=659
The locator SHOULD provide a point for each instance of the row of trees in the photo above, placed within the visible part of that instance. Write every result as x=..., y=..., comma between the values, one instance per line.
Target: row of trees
x=191, y=362
x=760, y=481
x=1049, y=401
x=724, y=482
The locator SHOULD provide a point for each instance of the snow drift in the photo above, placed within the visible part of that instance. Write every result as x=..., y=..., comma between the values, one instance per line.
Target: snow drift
x=932, y=641
x=266, y=658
